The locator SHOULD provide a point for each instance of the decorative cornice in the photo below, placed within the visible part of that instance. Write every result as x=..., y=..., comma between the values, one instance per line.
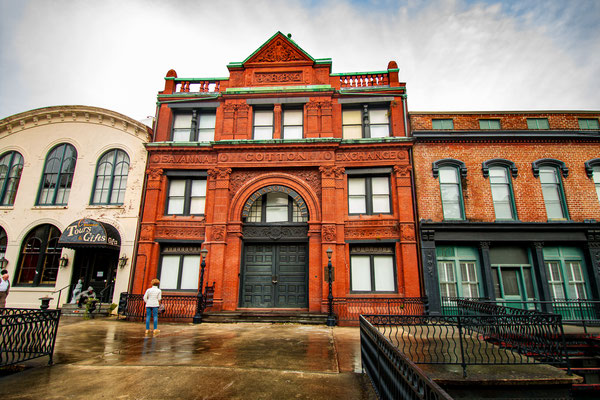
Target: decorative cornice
x=69, y=114
x=549, y=162
x=499, y=162
x=589, y=166
x=449, y=162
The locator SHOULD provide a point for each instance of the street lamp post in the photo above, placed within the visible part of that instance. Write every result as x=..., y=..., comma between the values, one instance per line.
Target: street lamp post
x=330, y=317
x=200, y=295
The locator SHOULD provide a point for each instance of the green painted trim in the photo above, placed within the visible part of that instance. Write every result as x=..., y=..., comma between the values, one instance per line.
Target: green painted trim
x=323, y=61
x=390, y=139
x=276, y=89
x=359, y=73
x=191, y=95
x=235, y=65
x=394, y=70
x=278, y=141
x=180, y=144
x=216, y=96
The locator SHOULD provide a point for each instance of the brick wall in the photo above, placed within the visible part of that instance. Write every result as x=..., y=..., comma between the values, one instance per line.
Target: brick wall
x=508, y=121
x=581, y=198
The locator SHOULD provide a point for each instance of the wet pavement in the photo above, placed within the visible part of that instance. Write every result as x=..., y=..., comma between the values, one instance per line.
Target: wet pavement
x=107, y=358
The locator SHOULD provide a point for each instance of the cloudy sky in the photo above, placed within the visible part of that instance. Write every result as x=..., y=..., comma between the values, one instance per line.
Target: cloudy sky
x=453, y=54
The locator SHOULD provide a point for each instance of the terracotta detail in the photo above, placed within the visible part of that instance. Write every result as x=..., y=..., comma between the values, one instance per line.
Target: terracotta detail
x=408, y=232
x=154, y=173
x=372, y=229
x=329, y=233
x=402, y=170
x=180, y=232
x=218, y=233
x=278, y=51
x=219, y=173
x=278, y=77
x=147, y=232
x=240, y=177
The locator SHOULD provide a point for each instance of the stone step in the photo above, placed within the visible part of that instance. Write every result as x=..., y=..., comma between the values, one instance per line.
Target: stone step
x=71, y=310
x=265, y=316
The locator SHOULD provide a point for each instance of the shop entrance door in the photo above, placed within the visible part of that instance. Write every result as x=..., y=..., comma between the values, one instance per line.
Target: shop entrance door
x=98, y=269
x=274, y=276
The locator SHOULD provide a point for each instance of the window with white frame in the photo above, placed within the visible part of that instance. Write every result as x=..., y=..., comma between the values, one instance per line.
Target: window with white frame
x=186, y=196
x=370, y=121
x=458, y=271
x=57, y=179
x=369, y=194
x=11, y=166
x=451, y=193
x=111, y=178
x=179, y=268
x=596, y=179
x=194, y=126
x=292, y=124
x=275, y=207
x=263, y=124
x=553, y=193
x=565, y=267
x=502, y=194
x=372, y=269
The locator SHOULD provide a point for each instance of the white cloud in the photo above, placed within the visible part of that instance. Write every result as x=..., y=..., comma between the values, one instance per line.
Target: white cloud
x=454, y=55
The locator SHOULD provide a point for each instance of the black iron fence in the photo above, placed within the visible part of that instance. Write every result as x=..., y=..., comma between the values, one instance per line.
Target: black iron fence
x=392, y=374
x=177, y=307
x=476, y=339
x=348, y=309
x=26, y=334
x=584, y=312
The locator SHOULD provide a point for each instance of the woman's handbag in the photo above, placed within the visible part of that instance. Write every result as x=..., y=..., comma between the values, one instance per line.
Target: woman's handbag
x=161, y=308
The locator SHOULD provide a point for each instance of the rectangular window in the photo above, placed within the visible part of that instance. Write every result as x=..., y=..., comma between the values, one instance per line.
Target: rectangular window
x=489, y=124
x=552, y=192
x=451, y=193
x=192, y=126
x=537, y=123
x=596, y=178
x=179, y=271
x=292, y=124
x=368, y=122
x=369, y=195
x=501, y=193
x=565, y=267
x=589, y=123
x=372, y=269
x=458, y=271
x=263, y=124
x=442, y=124
x=186, y=196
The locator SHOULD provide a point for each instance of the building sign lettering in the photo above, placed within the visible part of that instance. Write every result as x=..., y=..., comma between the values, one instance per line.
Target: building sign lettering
x=88, y=232
x=183, y=158
x=371, y=156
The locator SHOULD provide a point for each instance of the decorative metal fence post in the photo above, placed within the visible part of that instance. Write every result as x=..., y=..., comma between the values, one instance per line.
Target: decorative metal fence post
x=330, y=317
x=200, y=295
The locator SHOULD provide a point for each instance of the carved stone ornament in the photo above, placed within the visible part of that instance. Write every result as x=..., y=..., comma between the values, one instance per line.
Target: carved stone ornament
x=316, y=105
x=332, y=172
x=429, y=263
x=180, y=232
x=278, y=77
x=402, y=170
x=147, y=232
x=274, y=232
x=329, y=233
x=278, y=51
x=154, y=173
x=218, y=233
x=408, y=232
x=219, y=173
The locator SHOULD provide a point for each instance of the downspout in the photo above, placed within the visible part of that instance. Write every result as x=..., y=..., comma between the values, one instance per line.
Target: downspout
x=415, y=204
x=142, y=202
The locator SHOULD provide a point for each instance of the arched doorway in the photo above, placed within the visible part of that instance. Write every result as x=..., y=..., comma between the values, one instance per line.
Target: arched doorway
x=274, y=271
x=96, y=246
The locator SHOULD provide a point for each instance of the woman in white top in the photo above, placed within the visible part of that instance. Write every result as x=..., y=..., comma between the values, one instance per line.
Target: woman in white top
x=152, y=300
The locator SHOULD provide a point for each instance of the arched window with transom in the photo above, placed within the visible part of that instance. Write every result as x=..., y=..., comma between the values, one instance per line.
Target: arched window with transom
x=58, y=175
x=11, y=166
x=40, y=252
x=111, y=178
x=275, y=207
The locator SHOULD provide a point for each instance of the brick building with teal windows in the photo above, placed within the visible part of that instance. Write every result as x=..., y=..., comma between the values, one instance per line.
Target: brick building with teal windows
x=508, y=205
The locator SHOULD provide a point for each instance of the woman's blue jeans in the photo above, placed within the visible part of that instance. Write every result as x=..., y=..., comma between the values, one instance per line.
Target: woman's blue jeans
x=154, y=311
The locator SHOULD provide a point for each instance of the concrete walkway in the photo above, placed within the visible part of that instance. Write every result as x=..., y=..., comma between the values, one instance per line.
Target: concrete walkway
x=106, y=358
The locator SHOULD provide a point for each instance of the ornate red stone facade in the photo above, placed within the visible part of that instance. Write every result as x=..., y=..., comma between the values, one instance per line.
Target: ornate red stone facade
x=312, y=169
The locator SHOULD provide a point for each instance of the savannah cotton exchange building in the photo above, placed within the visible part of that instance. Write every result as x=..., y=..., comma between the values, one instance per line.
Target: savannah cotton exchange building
x=271, y=167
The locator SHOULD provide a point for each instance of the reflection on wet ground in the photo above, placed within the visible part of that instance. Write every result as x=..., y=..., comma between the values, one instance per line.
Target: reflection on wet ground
x=110, y=358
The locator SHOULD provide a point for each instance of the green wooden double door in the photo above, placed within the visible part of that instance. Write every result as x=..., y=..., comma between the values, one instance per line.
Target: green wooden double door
x=274, y=276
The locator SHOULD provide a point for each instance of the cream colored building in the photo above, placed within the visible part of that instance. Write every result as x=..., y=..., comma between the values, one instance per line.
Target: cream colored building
x=68, y=176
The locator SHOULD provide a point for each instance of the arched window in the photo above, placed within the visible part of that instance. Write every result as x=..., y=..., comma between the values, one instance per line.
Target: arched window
x=58, y=175
x=111, y=178
x=38, y=264
x=497, y=170
x=549, y=171
x=450, y=172
x=11, y=165
x=275, y=207
x=3, y=242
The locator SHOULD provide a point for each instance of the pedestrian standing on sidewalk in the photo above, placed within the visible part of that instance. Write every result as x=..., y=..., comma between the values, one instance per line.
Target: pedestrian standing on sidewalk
x=152, y=299
x=4, y=287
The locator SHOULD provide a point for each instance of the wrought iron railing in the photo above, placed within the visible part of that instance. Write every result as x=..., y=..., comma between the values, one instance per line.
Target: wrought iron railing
x=476, y=339
x=348, y=309
x=26, y=334
x=392, y=374
x=132, y=306
x=584, y=312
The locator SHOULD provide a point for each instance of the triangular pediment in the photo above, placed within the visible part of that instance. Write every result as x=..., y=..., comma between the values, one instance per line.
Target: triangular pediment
x=278, y=49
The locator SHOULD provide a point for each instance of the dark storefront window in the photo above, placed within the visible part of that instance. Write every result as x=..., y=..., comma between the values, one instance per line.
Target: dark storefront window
x=40, y=253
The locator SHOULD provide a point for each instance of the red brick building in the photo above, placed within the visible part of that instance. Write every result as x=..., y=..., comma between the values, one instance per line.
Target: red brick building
x=508, y=204
x=269, y=168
